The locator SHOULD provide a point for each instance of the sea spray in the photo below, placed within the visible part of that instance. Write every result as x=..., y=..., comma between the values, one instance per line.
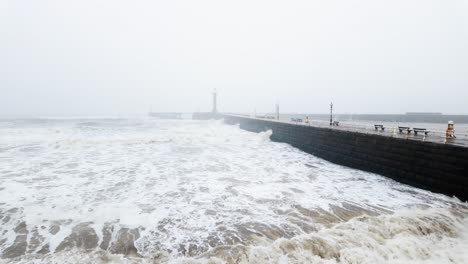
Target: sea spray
x=145, y=191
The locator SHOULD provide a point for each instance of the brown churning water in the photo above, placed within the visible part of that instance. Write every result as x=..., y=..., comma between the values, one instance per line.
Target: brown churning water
x=149, y=191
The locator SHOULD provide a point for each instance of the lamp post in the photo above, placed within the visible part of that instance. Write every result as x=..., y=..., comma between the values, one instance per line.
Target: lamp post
x=277, y=111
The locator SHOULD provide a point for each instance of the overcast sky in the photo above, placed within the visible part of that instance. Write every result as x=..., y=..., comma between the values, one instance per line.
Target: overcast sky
x=116, y=58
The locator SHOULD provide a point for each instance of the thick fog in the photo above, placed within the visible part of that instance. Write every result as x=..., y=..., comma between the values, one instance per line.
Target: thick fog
x=121, y=58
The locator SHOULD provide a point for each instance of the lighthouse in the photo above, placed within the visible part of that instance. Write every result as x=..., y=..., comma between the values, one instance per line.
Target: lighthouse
x=215, y=107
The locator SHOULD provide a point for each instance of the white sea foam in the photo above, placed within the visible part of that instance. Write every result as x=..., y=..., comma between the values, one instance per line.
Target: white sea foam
x=142, y=190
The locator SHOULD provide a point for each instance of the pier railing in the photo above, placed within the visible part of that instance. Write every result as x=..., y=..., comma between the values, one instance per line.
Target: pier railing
x=391, y=131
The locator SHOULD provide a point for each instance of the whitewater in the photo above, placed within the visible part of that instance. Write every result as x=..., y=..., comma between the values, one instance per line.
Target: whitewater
x=159, y=191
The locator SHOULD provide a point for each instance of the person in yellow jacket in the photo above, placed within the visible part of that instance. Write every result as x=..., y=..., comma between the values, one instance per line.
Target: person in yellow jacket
x=450, y=133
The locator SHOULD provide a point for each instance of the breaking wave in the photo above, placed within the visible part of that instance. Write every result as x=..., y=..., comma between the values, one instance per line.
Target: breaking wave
x=150, y=191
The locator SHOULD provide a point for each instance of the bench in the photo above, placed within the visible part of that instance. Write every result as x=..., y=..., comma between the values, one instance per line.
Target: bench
x=406, y=129
x=296, y=120
x=381, y=127
x=336, y=123
x=416, y=130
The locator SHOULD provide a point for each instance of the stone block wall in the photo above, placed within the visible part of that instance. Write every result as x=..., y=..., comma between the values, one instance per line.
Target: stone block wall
x=437, y=167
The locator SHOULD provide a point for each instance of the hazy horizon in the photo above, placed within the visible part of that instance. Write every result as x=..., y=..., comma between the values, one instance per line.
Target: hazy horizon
x=116, y=58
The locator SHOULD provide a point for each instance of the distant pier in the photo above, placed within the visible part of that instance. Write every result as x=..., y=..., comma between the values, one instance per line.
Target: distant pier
x=166, y=115
x=206, y=116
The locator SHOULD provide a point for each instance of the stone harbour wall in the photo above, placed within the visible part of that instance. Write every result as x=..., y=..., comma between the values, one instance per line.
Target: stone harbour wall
x=436, y=167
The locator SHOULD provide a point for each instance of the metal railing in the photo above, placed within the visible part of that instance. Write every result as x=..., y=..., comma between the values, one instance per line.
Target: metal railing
x=392, y=131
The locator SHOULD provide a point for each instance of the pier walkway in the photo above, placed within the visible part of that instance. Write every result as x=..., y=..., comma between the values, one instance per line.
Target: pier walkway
x=368, y=128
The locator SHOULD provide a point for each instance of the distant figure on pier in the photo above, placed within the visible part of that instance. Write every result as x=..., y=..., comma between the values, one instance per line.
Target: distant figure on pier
x=307, y=120
x=450, y=130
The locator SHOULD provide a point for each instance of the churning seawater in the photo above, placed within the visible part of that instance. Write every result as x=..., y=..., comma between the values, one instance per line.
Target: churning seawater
x=155, y=191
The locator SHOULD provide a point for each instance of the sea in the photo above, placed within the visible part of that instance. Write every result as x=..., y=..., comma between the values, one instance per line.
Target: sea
x=142, y=190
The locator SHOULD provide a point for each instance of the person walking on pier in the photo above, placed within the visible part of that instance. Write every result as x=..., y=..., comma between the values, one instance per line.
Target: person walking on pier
x=450, y=133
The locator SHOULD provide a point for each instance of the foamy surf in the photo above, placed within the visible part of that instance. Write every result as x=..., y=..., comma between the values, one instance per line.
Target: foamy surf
x=146, y=191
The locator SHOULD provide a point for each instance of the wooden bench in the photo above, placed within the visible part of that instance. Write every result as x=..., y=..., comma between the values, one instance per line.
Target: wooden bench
x=381, y=127
x=406, y=129
x=298, y=120
x=336, y=123
x=416, y=130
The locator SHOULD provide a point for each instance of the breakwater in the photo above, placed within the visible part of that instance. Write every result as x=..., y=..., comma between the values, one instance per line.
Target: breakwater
x=206, y=116
x=433, y=166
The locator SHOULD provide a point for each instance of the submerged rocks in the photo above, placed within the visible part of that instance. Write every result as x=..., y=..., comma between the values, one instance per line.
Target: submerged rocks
x=82, y=236
x=121, y=242
x=20, y=244
x=124, y=242
x=106, y=236
x=114, y=240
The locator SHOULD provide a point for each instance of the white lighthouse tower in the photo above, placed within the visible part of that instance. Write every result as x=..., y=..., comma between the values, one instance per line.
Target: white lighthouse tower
x=215, y=107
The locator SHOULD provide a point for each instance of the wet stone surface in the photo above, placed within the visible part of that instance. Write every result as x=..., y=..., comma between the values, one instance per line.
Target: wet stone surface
x=82, y=236
x=20, y=244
